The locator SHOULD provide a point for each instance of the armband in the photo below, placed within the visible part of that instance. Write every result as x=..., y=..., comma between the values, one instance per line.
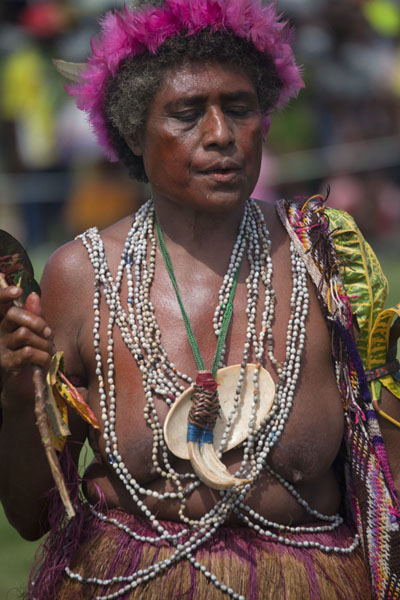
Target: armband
x=390, y=368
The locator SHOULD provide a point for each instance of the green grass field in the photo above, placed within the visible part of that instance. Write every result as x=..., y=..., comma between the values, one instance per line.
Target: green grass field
x=15, y=559
x=16, y=554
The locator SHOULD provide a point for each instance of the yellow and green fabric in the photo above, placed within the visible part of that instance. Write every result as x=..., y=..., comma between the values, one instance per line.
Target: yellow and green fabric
x=367, y=288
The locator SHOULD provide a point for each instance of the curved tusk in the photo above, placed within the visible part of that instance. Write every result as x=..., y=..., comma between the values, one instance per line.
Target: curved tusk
x=215, y=464
x=227, y=378
x=210, y=470
x=69, y=70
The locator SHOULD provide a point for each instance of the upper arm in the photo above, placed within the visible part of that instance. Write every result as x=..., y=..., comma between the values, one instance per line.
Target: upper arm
x=66, y=286
x=65, y=300
x=391, y=433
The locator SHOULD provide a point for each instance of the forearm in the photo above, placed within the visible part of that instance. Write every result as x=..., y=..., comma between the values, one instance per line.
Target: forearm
x=26, y=343
x=25, y=476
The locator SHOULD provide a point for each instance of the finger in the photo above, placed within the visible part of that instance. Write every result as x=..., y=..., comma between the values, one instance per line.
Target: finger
x=7, y=296
x=9, y=293
x=26, y=356
x=25, y=337
x=19, y=317
x=33, y=304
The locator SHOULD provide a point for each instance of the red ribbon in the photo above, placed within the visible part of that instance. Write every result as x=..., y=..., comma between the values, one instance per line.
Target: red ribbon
x=206, y=380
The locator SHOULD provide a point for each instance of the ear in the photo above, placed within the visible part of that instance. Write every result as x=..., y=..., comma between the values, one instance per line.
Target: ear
x=135, y=143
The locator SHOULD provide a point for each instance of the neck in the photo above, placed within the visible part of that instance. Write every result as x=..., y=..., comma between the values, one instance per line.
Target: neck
x=206, y=236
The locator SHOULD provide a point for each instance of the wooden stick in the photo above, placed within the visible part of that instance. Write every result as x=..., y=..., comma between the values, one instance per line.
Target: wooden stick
x=43, y=426
x=41, y=421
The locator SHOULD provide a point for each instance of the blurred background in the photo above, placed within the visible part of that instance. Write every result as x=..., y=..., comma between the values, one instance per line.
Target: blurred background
x=343, y=133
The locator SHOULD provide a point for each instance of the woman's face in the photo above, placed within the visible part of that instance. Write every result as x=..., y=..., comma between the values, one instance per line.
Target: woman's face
x=202, y=142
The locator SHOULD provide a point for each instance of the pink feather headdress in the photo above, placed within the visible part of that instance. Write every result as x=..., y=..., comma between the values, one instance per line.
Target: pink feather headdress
x=132, y=32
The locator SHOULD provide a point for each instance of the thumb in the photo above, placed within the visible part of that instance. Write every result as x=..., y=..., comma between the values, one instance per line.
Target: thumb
x=33, y=304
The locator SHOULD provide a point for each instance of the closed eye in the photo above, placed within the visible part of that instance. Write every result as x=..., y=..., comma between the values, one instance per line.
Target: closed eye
x=186, y=116
x=239, y=111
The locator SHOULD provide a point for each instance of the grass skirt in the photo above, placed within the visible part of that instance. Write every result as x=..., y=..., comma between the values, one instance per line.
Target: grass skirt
x=241, y=559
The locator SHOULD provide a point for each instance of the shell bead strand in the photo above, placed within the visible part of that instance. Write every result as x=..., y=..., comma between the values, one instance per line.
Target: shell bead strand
x=136, y=320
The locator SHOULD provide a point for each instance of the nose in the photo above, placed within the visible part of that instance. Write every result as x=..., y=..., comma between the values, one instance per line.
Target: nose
x=217, y=130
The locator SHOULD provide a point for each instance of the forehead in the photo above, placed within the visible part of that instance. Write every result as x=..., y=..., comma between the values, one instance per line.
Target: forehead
x=197, y=81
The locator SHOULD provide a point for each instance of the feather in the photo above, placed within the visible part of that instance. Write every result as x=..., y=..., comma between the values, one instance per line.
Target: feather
x=149, y=24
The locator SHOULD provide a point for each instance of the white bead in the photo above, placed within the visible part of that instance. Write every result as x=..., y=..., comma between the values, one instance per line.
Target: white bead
x=141, y=334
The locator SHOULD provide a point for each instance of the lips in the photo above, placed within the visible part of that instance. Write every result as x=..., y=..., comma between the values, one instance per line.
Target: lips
x=226, y=164
x=221, y=170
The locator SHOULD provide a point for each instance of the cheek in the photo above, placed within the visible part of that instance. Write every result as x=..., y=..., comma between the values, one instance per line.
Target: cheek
x=252, y=149
x=168, y=164
x=171, y=149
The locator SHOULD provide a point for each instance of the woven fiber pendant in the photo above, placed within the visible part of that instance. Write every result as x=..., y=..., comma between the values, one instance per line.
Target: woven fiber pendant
x=202, y=456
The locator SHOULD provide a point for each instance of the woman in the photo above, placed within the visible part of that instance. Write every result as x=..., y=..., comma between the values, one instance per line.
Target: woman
x=203, y=289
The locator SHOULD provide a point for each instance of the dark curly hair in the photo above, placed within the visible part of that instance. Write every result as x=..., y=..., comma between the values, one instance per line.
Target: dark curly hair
x=130, y=92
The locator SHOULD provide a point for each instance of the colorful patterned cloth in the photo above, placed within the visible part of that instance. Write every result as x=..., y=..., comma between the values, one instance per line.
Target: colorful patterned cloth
x=349, y=280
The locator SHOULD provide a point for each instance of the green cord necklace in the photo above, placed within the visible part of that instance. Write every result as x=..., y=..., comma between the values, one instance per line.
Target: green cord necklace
x=205, y=405
x=225, y=321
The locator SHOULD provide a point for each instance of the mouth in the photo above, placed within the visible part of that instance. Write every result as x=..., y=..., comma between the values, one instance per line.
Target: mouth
x=222, y=173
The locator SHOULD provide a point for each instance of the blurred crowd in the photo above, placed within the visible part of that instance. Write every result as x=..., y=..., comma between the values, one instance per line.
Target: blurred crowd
x=342, y=134
x=55, y=182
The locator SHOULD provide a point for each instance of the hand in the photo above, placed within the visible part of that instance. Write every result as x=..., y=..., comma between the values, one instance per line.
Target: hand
x=25, y=337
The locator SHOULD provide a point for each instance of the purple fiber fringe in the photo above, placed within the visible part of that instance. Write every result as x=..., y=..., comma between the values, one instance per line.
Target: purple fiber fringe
x=379, y=446
x=239, y=541
x=377, y=441
x=356, y=360
x=62, y=541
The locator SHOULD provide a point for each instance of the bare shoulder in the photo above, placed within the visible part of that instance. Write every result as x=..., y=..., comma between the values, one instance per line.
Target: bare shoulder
x=270, y=213
x=114, y=238
x=69, y=270
x=67, y=292
x=66, y=287
x=274, y=224
x=68, y=265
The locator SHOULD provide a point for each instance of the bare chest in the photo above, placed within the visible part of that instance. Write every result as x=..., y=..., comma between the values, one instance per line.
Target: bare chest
x=314, y=428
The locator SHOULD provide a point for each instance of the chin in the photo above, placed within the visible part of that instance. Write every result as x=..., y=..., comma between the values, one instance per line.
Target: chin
x=220, y=206
x=222, y=201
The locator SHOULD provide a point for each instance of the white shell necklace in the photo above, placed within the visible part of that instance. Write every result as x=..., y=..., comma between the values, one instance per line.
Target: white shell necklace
x=161, y=378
